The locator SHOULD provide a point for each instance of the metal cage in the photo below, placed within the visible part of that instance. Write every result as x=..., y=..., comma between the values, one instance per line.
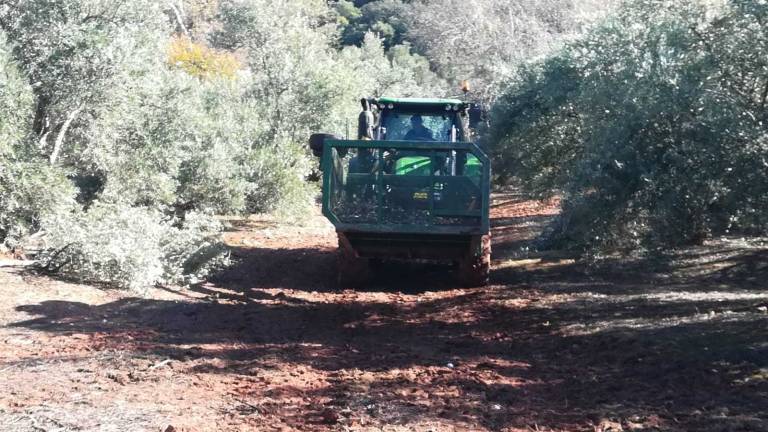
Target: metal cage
x=406, y=187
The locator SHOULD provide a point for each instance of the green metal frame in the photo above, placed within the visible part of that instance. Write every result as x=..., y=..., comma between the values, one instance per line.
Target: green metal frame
x=328, y=168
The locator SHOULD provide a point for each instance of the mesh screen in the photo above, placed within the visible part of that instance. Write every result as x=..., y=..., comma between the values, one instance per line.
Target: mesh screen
x=406, y=187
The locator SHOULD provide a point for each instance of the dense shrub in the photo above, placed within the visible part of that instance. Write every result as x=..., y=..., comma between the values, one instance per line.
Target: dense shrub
x=278, y=182
x=30, y=192
x=654, y=126
x=131, y=247
x=201, y=61
x=29, y=189
x=487, y=41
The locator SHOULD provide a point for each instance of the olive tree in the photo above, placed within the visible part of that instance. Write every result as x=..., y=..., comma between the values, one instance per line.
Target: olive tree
x=653, y=126
x=75, y=53
x=138, y=117
x=16, y=102
x=29, y=189
x=105, y=124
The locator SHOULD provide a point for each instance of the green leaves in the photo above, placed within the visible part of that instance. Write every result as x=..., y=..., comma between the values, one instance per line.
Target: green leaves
x=116, y=132
x=30, y=192
x=16, y=103
x=131, y=247
x=650, y=125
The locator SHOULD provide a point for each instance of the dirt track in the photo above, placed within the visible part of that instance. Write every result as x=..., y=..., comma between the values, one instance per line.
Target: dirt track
x=271, y=345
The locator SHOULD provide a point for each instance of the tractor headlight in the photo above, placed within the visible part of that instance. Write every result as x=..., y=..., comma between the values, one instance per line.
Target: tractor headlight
x=447, y=107
x=391, y=106
x=455, y=107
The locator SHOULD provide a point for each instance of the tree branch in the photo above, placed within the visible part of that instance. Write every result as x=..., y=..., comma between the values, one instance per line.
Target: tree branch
x=60, y=138
x=179, y=17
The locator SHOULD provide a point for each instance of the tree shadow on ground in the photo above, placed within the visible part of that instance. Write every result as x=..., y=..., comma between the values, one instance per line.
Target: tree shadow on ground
x=518, y=356
x=515, y=236
x=560, y=346
x=314, y=270
x=307, y=269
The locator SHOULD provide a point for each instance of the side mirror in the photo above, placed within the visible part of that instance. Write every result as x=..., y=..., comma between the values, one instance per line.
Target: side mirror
x=317, y=143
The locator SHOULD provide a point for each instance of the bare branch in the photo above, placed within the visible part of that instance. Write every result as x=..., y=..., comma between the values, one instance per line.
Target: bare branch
x=62, y=133
x=179, y=17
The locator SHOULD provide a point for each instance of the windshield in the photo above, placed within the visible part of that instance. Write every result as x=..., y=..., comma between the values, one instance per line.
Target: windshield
x=418, y=127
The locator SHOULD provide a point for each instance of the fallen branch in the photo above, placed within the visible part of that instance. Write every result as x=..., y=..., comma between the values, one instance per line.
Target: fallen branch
x=160, y=364
x=17, y=263
x=36, y=425
x=49, y=268
x=254, y=407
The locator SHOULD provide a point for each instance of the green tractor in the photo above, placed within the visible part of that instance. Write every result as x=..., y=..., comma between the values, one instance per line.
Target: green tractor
x=412, y=186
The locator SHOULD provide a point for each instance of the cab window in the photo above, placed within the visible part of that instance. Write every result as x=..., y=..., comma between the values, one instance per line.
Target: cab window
x=417, y=127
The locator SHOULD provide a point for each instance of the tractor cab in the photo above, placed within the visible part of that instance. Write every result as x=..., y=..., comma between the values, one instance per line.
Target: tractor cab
x=421, y=120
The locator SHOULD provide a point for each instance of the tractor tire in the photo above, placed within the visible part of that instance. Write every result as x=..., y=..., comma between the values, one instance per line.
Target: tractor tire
x=475, y=269
x=353, y=270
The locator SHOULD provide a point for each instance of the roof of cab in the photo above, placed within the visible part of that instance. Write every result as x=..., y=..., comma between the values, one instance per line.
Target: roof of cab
x=418, y=101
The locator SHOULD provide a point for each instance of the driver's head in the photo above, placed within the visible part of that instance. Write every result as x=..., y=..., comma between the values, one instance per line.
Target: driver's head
x=417, y=120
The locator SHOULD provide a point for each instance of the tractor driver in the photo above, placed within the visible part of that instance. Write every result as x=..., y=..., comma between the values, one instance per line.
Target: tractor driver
x=418, y=131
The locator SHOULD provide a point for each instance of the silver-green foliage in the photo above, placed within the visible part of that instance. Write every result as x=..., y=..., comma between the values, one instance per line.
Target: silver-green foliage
x=156, y=145
x=78, y=55
x=298, y=83
x=131, y=247
x=29, y=190
x=16, y=102
x=92, y=111
x=654, y=126
x=486, y=41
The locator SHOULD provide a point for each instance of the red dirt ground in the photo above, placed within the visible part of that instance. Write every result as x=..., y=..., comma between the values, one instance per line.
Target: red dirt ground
x=271, y=345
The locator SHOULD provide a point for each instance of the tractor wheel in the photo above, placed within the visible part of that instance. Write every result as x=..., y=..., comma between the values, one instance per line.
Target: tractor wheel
x=354, y=271
x=475, y=269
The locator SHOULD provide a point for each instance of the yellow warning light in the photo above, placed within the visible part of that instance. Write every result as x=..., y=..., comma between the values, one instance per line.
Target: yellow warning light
x=465, y=87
